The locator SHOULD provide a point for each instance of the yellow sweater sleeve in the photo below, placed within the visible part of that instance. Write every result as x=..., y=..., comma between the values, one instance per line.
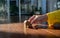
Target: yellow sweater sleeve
x=53, y=17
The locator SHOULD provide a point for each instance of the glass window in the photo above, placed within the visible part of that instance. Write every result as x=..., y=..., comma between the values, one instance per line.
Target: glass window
x=3, y=13
x=14, y=12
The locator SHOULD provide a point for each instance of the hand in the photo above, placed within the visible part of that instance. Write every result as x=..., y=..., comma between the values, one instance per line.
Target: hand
x=34, y=19
x=37, y=19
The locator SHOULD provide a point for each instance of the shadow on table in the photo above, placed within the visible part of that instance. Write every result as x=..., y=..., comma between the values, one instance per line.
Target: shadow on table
x=22, y=35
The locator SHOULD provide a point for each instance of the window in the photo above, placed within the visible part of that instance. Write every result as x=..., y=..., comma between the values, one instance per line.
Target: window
x=58, y=4
x=3, y=11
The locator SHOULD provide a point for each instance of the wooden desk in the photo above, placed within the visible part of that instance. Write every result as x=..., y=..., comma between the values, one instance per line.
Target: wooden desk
x=16, y=30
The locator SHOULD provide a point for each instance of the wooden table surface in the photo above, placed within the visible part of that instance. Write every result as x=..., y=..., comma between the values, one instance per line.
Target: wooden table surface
x=16, y=30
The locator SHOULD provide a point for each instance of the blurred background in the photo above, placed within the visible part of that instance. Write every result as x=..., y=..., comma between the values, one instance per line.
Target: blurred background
x=14, y=11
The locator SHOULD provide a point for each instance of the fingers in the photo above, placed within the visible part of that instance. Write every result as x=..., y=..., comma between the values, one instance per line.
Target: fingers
x=38, y=19
x=35, y=19
x=30, y=19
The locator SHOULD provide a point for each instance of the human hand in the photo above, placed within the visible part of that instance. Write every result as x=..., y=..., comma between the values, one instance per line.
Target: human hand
x=37, y=19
